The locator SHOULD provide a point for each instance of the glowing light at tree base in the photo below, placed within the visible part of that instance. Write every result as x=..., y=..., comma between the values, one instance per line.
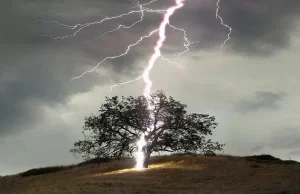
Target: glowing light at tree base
x=162, y=37
x=140, y=157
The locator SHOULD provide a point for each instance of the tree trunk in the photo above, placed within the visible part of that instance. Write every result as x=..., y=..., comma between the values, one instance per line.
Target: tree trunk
x=146, y=160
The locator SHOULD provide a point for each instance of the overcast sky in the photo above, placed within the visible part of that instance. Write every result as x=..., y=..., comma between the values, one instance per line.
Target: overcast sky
x=250, y=86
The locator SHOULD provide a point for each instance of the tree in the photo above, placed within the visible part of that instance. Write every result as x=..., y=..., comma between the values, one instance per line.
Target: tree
x=121, y=122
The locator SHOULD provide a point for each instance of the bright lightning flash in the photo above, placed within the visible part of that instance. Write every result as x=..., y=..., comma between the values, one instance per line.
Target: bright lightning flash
x=142, y=9
x=222, y=23
x=157, y=53
x=154, y=57
x=140, y=157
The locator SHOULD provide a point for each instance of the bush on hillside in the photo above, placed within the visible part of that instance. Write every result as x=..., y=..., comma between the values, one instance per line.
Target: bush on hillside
x=265, y=158
x=95, y=161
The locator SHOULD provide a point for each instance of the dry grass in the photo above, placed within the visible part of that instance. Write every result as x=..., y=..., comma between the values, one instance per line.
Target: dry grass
x=45, y=170
x=167, y=174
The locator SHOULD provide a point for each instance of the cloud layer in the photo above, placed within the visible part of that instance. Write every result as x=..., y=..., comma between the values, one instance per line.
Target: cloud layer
x=255, y=73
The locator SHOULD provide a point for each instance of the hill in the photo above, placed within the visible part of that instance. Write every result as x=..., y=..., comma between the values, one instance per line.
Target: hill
x=167, y=174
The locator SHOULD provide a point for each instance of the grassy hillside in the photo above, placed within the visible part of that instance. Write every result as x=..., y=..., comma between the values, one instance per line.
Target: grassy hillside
x=167, y=174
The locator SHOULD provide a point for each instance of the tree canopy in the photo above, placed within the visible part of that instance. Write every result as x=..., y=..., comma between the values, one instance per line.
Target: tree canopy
x=114, y=132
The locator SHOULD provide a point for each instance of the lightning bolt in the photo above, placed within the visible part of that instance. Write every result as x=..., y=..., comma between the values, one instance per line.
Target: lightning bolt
x=187, y=43
x=142, y=10
x=223, y=24
x=157, y=52
x=80, y=27
x=114, y=57
x=159, y=44
x=147, y=90
x=123, y=83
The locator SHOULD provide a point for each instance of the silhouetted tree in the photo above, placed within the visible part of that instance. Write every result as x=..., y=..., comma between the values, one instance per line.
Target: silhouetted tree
x=121, y=122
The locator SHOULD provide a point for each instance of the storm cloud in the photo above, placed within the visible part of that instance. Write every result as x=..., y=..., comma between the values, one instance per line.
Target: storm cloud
x=35, y=70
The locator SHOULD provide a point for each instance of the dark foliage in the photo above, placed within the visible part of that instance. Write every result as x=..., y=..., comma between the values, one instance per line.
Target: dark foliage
x=95, y=161
x=184, y=154
x=210, y=154
x=264, y=158
x=44, y=170
x=121, y=122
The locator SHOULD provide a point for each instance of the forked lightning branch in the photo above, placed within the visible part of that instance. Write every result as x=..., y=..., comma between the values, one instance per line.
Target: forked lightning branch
x=160, y=30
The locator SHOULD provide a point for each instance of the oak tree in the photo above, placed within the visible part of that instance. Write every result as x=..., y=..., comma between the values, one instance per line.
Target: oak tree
x=167, y=126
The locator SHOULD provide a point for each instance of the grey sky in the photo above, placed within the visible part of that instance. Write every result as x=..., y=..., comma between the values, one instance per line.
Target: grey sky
x=251, y=86
x=261, y=100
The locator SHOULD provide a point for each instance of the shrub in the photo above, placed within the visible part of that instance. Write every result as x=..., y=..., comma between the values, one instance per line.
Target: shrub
x=265, y=158
x=95, y=161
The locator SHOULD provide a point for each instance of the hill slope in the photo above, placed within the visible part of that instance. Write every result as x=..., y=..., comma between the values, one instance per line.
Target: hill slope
x=167, y=174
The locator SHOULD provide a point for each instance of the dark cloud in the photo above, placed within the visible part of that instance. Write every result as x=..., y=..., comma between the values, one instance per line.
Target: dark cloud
x=35, y=79
x=259, y=27
x=260, y=101
x=35, y=70
x=262, y=26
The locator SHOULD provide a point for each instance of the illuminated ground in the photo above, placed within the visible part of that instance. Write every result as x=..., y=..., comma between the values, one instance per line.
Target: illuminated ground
x=171, y=175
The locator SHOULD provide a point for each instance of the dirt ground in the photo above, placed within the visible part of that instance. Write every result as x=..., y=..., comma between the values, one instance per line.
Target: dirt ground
x=166, y=174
